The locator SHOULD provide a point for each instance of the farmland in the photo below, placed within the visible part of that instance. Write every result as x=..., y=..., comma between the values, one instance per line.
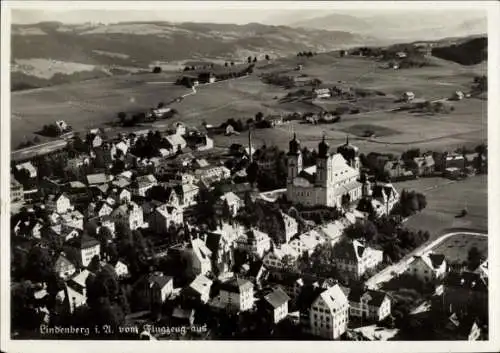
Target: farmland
x=96, y=102
x=457, y=247
x=445, y=200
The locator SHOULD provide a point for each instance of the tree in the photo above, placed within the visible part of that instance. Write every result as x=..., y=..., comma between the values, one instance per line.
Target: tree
x=157, y=70
x=361, y=230
x=249, y=59
x=122, y=116
x=259, y=116
x=253, y=172
x=39, y=264
x=226, y=64
x=232, y=63
x=474, y=258
x=267, y=57
x=255, y=59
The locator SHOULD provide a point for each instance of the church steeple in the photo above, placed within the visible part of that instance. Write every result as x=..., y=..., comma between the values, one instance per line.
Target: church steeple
x=323, y=147
x=294, y=145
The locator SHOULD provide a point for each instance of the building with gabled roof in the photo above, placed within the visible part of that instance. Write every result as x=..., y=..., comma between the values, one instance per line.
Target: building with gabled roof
x=163, y=217
x=275, y=304
x=130, y=213
x=199, y=289
x=59, y=203
x=29, y=167
x=465, y=292
x=354, y=258
x=98, y=179
x=159, y=288
x=428, y=268
x=329, y=313
x=255, y=242
x=63, y=267
x=367, y=304
x=87, y=247
x=236, y=294
x=281, y=257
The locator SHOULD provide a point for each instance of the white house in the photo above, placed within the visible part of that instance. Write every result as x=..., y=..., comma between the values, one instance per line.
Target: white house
x=276, y=304
x=291, y=226
x=131, y=213
x=368, y=304
x=307, y=242
x=121, y=269
x=63, y=267
x=236, y=295
x=281, y=257
x=159, y=288
x=59, y=203
x=329, y=313
x=408, y=96
x=428, y=267
x=233, y=201
x=200, y=288
x=164, y=216
x=354, y=258
x=255, y=242
x=201, y=257
x=88, y=247
x=143, y=184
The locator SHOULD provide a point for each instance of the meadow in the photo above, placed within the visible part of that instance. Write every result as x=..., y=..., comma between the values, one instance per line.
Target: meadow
x=96, y=102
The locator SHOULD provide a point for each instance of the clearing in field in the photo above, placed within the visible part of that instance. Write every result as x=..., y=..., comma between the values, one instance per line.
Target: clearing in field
x=365, y=130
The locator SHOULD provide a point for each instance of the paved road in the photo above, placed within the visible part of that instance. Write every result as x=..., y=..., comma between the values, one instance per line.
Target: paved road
x=390, y=271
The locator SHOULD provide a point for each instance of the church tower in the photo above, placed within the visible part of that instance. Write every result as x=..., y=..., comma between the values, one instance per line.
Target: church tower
x=350, y=154
x=294, y=159
x=322, y=163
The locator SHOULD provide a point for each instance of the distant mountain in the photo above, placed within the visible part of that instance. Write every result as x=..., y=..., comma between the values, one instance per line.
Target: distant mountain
x=51, y=48
x=401, y=26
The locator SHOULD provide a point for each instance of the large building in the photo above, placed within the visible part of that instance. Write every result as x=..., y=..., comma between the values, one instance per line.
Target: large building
x=329, y=313
x=333, y=182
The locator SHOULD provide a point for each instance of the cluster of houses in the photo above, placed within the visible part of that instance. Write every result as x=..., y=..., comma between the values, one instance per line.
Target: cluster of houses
x=269, y=278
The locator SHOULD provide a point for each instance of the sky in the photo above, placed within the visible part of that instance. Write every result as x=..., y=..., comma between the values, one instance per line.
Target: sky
x=209, y=13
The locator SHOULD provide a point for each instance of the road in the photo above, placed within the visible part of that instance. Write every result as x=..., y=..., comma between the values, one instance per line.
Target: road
x=390, y=271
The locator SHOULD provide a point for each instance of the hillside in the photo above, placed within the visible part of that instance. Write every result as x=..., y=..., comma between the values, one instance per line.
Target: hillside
x=404, y=26
x=471, y=52
x=39, y=50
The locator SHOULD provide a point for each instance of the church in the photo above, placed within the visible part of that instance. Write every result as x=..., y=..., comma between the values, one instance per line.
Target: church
x=332, y=182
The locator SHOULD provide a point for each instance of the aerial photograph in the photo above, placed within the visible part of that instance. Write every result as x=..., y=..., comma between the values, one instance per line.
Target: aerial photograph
x=248, y=174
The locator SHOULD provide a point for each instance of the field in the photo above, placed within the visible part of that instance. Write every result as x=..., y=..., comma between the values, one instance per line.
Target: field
x=457, y=247
x=445, y=200
x=96, y=102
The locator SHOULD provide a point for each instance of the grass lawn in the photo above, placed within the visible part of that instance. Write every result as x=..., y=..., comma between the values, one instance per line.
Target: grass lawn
x=445, y=200
x=457, y=247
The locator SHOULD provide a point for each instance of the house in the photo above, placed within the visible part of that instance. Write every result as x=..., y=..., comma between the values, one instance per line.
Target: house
x=428, y=268
x=233, y=202
x=164, y=216
x=408, y=96
x=307, y=242
x=73, y=219
x=76, y=163
x=332, y=231
x=63, y=267
x=206, y=77
x=366, y=304
x=458, y=95
x=131, y=213
x=230, y=130
x=395, y=168
x=322, y=93
x=275, y=305
x=221, y=248
x=175, y=142
x=77, y=192
x=199, y=289
x=282, y=257
x=423, y=166
x=256, y=273
x=465, y=291
x=29, y=229
x=201, y=257
x=329, y=313
x=119, y=196
x=99, y=209
x=28, y=166
x=401, y=54
x=119, y=150
x=386, y=197
x=354, y=258
x=58, y=203
x=75, y=293
x=143, y=183
x=86, y=247
x=61, y=126
x=460, y=329
x=94, y=140
x=254, y=242
x=235, y=295
x=16, y=191
x=290, y=225
x=217, y=173
x=120, y=268
x=98, y=179
x=159, y=288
